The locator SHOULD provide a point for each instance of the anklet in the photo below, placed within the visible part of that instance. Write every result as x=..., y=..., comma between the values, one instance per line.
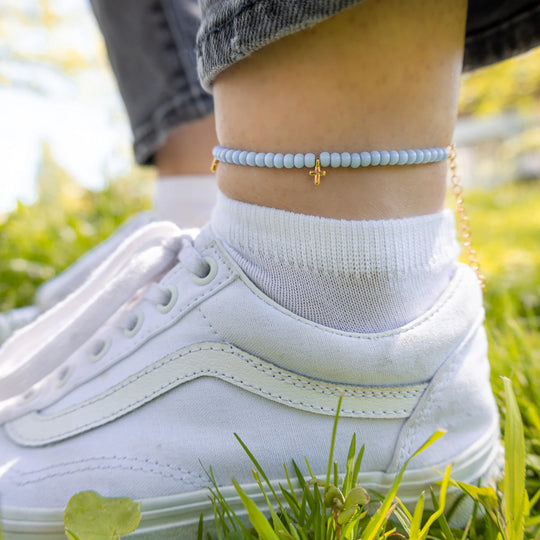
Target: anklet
x=463, y=219
x=327, y=159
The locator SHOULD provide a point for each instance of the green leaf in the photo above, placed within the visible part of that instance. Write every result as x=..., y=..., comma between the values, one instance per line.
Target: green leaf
x=380, y=516
x=256, y=517
x=357, y=496
x=333, y=441
x=515, y=495
x=416, y=521
x=346, y=515
x=88, y=516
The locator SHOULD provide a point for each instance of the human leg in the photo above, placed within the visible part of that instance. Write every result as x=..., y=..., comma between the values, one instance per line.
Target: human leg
x=338, y=87
x=151, y=47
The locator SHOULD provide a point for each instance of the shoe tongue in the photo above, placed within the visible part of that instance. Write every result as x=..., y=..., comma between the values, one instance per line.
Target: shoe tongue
x=44, y=345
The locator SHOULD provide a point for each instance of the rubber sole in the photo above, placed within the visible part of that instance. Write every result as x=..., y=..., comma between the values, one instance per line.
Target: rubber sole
x=177, y=516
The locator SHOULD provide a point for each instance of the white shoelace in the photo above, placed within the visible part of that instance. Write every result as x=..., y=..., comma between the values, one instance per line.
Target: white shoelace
x=37, y=350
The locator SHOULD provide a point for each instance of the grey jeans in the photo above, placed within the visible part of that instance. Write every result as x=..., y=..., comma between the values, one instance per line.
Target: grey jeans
x=152, y=44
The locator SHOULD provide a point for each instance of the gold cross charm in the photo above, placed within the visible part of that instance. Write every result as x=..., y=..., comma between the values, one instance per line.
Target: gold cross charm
x=317, y=173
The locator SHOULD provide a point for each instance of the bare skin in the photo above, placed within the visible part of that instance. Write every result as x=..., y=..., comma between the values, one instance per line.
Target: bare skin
x=381, y=75
x=187, y=149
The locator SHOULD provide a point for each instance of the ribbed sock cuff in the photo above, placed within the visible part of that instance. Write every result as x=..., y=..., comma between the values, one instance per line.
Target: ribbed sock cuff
x=336, y=246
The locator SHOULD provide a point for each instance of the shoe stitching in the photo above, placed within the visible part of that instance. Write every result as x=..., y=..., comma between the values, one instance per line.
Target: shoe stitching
x=322, y=389
x=14, y=431
x=113, y=457
x=422, y=320
x=186, y=476
x=118, y=412
x=450, y=368
x=207, y=321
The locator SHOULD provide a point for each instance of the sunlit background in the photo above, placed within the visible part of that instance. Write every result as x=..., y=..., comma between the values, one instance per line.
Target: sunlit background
x=57, y=95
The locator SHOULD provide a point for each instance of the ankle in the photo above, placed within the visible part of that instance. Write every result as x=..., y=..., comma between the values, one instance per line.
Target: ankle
x=344, y=193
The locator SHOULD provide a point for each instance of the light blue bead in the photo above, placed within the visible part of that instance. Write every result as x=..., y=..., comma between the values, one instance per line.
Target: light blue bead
x=242, y=158
x=403, y=156
x=229, y=155
x=394, y=157
x=288, y=161
x=236, y=157
x=385, y=157
x=299, y=161
x=445, y=153
x=375, y=158
x=324, y=159
x=269, y=159
x=345, y=159
x=335, y=159
x=419, y=157
x=259, y=159
x=278, y=161
x=250, y=159
x=310, y=160
x=411, y=157
x=436, y=154
x=356, y=160
x=366, y=159
x=427, y=155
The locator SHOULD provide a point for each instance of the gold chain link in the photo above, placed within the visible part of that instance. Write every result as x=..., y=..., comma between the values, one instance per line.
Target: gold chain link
x=463, y=220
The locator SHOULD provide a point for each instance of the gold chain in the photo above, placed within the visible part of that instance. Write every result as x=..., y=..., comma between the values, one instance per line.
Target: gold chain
x=463, y=220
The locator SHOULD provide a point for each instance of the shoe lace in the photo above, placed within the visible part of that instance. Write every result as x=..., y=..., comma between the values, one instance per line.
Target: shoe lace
x=161, y=296
x=133, y=269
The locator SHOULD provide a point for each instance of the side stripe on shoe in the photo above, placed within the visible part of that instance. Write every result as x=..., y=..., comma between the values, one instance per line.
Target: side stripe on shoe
x=228, y=364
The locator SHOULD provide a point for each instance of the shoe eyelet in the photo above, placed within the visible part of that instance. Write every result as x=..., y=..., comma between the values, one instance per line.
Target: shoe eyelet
x=29, y=395
x=63, y=375
x=134, y=328
x=212, y=272
x=165, y=308
x=99, y=349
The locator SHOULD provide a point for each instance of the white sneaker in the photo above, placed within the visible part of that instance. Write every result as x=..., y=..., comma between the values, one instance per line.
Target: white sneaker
x=154, y=390
x=56, y=289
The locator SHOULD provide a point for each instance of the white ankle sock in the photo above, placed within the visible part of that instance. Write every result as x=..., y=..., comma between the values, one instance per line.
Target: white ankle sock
x=356, y=276
x=187, y=200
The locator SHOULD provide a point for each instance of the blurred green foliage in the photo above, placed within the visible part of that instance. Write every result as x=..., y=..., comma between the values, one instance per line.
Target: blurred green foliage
x=37, y=241
x=512, y=85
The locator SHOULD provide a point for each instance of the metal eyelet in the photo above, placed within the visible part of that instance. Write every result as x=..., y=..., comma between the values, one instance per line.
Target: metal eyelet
x=63, y=375
x=165, y=308
x=212, y=272
x=99, y=350
x=134, y=328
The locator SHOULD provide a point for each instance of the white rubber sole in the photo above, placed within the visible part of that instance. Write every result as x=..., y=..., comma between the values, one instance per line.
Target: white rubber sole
x=175, y=515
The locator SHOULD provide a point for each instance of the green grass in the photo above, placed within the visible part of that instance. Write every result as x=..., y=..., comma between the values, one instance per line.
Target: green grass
x=40, y=240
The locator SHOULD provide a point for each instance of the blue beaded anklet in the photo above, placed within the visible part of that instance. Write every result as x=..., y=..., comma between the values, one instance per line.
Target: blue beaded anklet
x=327, y=159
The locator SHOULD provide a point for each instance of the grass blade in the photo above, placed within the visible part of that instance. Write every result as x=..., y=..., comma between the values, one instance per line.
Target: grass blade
x=256, y=517
x=515, y=495
x=333, y=442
